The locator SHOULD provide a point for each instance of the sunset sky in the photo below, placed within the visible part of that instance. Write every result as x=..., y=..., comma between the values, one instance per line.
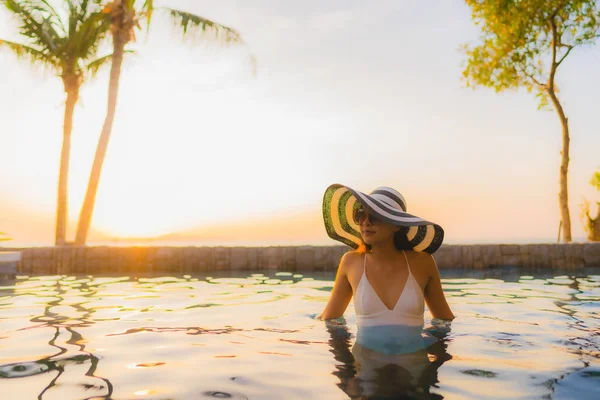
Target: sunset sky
x=353, y=92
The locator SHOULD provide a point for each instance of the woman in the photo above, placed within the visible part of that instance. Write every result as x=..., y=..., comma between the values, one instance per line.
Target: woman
x=391, y=273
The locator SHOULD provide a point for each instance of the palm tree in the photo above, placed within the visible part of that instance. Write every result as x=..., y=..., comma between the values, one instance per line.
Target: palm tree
x=125, y=16
x=67, y=46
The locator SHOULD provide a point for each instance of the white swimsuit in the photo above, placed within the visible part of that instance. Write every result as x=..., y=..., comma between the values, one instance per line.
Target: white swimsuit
x=371, y=311
x=394, y=331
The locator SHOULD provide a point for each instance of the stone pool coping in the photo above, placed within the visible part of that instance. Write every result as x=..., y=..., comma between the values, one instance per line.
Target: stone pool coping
x=9, y=261
x=106, y=259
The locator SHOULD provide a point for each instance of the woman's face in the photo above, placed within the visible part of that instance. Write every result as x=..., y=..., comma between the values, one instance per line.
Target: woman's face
x=372, y=229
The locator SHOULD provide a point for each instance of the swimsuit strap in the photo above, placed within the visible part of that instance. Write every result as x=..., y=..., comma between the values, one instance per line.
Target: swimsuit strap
x=407, y=264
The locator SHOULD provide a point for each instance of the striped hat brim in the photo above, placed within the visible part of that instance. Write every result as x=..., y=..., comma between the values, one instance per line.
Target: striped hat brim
x=339, y=203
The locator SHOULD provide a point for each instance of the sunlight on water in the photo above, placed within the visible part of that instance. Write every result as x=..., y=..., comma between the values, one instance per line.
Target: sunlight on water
x=254, y=336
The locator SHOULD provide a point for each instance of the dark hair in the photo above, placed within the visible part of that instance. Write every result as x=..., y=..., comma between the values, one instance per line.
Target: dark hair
x=400, y=240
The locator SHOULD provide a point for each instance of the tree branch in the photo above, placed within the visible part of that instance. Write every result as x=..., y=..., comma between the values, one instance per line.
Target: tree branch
x=532, y=78
x=569, y=48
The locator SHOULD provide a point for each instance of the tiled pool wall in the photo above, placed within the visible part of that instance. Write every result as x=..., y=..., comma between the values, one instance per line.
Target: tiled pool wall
x=119, y=260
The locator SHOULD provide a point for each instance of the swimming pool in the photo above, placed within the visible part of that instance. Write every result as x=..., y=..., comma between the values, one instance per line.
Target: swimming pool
x=254, y=336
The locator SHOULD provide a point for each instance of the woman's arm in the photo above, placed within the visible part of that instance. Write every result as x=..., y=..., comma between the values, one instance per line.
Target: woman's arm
x=434, y=294
x=342, y=291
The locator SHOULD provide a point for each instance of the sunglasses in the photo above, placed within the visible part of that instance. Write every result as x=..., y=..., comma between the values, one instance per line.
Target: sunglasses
x=360, y=216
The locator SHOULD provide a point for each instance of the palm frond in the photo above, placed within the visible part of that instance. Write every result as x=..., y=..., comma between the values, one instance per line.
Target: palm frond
x=30, y=54
x=74, y=17
x=148, y=8
x=198, y=26
x=94, y=66
x=36, y=25
x=51, y=11
x=79, y=11
x=85, y=27
x=87, y=36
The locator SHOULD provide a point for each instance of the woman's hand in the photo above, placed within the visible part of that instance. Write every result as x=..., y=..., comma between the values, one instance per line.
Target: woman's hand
x=434, y=294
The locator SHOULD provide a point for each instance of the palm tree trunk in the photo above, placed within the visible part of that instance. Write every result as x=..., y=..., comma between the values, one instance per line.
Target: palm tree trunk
x=63, y=176
x=563, y=195
x=87, y=209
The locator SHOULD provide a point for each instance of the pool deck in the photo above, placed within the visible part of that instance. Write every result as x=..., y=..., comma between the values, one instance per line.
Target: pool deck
x=178, y=260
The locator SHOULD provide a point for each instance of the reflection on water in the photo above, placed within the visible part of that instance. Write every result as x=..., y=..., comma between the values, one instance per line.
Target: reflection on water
x=71, y=370
x=364, y=372
x=517, y=335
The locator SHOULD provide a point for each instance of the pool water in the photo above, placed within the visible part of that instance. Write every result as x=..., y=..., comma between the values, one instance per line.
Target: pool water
x=517, y=335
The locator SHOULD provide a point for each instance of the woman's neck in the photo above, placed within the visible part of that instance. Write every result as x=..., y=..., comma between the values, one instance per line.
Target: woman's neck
x=384, y=252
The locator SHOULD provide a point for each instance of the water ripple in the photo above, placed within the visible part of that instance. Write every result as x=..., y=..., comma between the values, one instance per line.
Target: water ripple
x=528, y=335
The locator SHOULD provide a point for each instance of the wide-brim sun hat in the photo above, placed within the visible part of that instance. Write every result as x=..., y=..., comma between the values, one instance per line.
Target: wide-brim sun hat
x=384, y=203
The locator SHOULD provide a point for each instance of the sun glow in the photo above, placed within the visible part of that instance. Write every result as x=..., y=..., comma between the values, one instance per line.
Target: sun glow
x=200, y=144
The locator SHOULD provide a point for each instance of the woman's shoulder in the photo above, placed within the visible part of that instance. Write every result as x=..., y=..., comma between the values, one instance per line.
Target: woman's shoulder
x=352, y=259
x=422, y=260
x=353, y=256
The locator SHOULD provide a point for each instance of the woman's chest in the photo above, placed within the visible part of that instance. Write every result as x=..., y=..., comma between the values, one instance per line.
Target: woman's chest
x=388, y=285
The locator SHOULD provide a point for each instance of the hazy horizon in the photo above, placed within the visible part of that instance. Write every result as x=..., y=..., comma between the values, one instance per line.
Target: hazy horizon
x=363, y=94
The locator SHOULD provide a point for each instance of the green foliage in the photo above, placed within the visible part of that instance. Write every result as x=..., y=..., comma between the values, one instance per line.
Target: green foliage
x=65, y=45
x=595, y=181
x=200, y=26
x=524, y=42
x=590, y=225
